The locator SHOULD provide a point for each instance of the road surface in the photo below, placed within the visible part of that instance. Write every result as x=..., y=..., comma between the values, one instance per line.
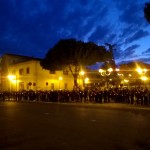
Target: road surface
x=52, y=126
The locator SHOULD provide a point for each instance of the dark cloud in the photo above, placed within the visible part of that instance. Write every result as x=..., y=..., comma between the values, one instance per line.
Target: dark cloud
x=132, y=14
x=144, y=59
x=138, y=35
x=146, y=52
x=127, y=31
x=99, y=34
x=130, y=51
x=133, y=47
x=41, y=23
x=31, y=27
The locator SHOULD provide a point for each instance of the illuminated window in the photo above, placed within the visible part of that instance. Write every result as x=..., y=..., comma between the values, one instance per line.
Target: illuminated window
x=21, y=71
x=65, y=72
x=52, y=71
x=28, y=70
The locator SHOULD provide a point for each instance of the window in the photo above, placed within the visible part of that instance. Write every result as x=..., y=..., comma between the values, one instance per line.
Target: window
x=21, y=85
x=65, y=72
x=21, y=71
x=52, y=71
x=52, y=86
x=65, y=86
x=27, y=85
x=28, y=70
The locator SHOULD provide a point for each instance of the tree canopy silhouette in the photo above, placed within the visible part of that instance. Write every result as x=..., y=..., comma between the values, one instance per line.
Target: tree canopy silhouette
x=147, y=11
x=111, y=48
x=73, y=55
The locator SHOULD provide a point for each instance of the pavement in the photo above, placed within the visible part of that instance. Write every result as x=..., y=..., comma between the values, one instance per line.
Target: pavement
x=111, y=105
x=36, y=125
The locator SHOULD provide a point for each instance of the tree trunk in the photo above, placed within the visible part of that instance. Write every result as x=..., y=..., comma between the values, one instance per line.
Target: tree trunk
x=75, y=81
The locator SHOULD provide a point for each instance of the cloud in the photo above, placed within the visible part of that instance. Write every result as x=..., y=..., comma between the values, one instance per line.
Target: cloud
x=132, y=14
x=33, y=26
x=144, y=59
x=99, y=34
x=137, y=35
x=146, y=52
x=130, y=51
x=41, y=23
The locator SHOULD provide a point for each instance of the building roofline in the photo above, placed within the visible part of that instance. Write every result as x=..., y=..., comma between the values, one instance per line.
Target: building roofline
x=25, y=61
x=11, y=54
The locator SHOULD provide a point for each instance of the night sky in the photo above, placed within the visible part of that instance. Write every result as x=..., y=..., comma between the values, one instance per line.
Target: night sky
x=31, y=27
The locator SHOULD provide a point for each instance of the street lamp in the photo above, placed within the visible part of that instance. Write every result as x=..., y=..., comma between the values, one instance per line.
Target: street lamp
x=144, y=79
x=82, y=73
x=105, y=73
x=12, y=79
x=141, y=71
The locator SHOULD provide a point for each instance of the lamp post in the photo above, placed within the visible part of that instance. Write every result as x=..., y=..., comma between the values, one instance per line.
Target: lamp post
x=105, y=73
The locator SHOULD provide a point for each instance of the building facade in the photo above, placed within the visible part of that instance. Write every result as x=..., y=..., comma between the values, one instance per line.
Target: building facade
x=25, y=73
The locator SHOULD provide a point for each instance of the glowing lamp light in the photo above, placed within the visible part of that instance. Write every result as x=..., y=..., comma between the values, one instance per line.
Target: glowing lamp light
x=141, y=71
x=126, y=80
x=110, y=70
x=11, y=77
x=100, y=70
x=82, y=73
x=105, y=72
x=144, y=70
x=60, y=78
x=86, y=79
x=144, y=78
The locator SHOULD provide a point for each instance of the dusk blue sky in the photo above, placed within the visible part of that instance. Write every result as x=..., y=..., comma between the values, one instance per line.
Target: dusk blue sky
x=31, y=27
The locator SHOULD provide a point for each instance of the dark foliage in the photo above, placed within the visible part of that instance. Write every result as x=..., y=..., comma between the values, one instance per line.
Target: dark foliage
x=147, y=11
x=74, y=53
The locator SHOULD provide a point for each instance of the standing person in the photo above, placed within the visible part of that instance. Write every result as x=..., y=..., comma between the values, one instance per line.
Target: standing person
x=105, y=95
x=132, y=96
x=100, y=95
x=146, y=93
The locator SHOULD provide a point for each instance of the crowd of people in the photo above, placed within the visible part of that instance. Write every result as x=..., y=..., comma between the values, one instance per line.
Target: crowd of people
x=134, y=95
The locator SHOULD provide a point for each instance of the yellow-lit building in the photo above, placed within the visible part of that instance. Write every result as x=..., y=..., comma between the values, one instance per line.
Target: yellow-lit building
x=25, y=73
